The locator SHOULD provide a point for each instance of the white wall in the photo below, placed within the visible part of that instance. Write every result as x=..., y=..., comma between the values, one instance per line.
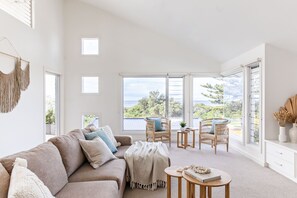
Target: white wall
x=124, y=47
x=43, y=46
x=281, y=83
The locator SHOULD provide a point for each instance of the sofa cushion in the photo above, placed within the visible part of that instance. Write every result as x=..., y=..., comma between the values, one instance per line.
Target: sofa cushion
x=24, y=183
x=4, y=181
x=45, y=161
x=113, y=170
x=89, y=190
x=100, y=133
x=121, y=152
x=70, y=150
x=96, y=152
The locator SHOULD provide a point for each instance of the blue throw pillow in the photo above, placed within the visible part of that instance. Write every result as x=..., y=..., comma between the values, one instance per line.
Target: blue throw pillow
x=158, y=124
x=100, y=133
x=214, y=122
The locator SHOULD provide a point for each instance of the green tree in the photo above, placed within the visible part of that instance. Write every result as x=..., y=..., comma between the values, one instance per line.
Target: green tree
x=215, y=94
x=153, y=106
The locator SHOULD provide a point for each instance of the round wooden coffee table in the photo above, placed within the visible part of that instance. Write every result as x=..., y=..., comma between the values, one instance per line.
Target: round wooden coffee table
x=191, y=182
x=172, y=172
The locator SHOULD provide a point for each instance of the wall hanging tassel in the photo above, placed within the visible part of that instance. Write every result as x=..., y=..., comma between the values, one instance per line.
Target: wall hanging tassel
x=10, y=91
x=23, y=75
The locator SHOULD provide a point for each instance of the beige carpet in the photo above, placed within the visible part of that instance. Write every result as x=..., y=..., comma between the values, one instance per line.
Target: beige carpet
x=249, y=180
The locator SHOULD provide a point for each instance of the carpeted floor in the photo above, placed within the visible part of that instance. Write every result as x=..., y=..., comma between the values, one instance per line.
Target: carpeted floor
x=249, y=180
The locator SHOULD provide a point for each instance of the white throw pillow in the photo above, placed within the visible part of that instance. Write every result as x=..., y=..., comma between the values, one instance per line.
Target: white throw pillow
x=96, y=151
x=24, y=183
x=4, y=181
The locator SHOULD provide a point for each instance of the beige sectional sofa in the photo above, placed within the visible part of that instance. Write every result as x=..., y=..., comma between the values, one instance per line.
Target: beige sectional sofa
x=63, y=168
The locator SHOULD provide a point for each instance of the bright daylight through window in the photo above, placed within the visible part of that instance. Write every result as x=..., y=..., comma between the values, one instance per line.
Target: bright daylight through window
x=152, y=97
x=90, y=84
x=89, y=46
x=219, y=97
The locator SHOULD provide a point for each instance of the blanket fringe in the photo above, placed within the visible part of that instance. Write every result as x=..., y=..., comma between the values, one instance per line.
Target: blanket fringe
x=153, y=186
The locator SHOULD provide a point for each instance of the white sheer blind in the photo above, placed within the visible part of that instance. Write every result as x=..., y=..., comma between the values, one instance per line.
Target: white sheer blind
x=20, y=9
x=254, y=106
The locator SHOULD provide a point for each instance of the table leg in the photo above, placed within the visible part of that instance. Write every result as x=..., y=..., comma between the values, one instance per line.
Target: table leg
x=209, y=192
x=177, y=141
x=193, y=138
x=168, y=186
x=186, y=140
x=202, y=192
x=188, y=189
x=193, y=190
x=179, y=187
x=182, y=139
x=227, y=191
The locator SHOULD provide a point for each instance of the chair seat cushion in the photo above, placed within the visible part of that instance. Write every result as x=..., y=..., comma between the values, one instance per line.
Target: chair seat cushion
x=89, y=190
x=113, y=170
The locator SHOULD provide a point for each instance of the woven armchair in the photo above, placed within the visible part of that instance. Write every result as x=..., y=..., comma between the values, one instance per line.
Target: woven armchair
x=220, y=133
x=163, y=135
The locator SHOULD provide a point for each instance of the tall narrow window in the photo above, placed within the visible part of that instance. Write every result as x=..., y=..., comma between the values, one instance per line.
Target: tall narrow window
x=233, y=104
x=175, y=101
x=254, y=116
x=20, y=9
x=208, y=94
x=52, y=104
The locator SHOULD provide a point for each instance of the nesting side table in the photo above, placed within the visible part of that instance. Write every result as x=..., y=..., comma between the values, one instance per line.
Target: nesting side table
x=182, y=138
x=172, y=172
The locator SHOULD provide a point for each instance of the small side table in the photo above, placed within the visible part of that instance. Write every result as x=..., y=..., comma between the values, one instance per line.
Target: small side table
x=191, y=182
x=172, y=172
x=182, y=138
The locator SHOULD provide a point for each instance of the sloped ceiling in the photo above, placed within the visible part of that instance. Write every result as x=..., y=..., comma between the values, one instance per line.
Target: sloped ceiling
x=221, y=29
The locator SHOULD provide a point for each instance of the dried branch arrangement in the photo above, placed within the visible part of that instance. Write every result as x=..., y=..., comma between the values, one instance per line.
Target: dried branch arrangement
x=288, y=113
x=291, y=106
x=283, y=116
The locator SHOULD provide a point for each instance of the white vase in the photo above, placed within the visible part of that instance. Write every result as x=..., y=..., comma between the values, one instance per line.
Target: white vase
x=293, y=133
x=282, y=137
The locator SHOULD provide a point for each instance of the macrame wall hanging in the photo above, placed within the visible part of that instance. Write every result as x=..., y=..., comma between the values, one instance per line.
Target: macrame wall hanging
x=13, y=83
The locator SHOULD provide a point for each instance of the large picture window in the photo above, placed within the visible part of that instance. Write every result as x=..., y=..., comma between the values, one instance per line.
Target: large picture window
x=152, y=97
x=208, y=94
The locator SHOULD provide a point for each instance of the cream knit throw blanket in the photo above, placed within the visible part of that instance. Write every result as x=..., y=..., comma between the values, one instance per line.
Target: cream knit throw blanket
x=146, y=163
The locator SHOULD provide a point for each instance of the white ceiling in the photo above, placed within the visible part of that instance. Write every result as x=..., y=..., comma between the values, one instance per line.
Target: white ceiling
x=221, y=29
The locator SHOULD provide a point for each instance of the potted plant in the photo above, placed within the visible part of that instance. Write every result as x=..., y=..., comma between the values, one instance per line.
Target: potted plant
x=283, y=116
x=49, y=120
x=182, y=124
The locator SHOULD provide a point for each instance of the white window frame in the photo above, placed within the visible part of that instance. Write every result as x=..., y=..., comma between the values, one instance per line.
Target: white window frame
x=82, y=85
x=163, y=75
x=83, y=50
x=91, y=113
x=57, y=101
x=19, y=9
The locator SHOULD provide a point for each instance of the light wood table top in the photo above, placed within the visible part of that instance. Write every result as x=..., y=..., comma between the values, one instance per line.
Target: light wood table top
x=225, y=179
x=172, y=171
